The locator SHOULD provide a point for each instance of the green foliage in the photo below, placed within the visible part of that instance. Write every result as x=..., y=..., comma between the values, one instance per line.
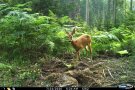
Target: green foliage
x=123, y=52
x=3, y=66
x=18, y=73
x=114, y=41
x=104, y=42
x=6, y=8
x=66, y=20
x=129, y=44
x=26, y=35
x=29, y=74
x=16, y=30
x=122, y=32
x=29, y=36
x=130, y=21
x=126, y=37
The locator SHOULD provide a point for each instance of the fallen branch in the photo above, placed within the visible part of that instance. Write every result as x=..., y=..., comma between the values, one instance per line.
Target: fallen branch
x=100, y=63
x=104, y=73
x=110, y=73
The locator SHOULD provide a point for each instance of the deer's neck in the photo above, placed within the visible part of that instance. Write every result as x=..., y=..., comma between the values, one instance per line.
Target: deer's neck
x=74, y=44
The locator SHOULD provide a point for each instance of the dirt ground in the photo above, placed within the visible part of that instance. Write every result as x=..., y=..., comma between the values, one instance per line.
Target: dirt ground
x=99, y=72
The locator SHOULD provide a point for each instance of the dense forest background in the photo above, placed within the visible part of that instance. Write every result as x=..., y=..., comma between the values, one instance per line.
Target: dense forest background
x=31, y=30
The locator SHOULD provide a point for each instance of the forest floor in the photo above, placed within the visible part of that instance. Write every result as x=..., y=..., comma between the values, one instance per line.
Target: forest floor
x=51, y=71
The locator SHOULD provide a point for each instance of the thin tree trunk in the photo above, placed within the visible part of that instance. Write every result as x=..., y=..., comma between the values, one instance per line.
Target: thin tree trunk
x=87, y=11
x=125, y=8
x=103, y=16
x=114, y=11
x=108, y=14
x=78, y=9
x=131, y=5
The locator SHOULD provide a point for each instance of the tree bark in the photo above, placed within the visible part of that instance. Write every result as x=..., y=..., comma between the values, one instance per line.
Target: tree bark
x=114, y=11
x=87, y=11
x=131, y=5
x=108, y=14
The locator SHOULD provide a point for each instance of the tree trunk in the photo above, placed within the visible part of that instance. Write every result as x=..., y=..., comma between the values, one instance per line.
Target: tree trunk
x=114, y=11
x=108, y=14
x=78, y=9
x=131, y=5
x=125, y=8
x=87, y=11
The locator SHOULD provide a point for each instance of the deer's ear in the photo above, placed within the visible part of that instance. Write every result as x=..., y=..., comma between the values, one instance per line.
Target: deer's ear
x=73, y=32
x=66, y=31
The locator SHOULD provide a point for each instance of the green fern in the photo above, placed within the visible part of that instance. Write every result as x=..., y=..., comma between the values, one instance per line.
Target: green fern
x=105, y=37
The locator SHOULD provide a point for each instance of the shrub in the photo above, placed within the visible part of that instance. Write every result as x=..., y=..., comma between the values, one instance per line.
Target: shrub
x=26, y=35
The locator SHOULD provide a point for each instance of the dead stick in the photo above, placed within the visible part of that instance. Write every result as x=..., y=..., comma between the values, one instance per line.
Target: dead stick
x=104, y=72
x=98, y=64
x=110, y=73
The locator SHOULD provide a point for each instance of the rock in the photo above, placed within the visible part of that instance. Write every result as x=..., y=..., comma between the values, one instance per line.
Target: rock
x=60, y=80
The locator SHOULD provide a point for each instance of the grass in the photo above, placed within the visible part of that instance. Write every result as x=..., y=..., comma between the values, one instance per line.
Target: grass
x=17, y=72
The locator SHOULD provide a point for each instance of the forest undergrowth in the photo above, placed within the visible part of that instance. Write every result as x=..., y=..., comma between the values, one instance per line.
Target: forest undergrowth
x=35, y=50
x=52, y=71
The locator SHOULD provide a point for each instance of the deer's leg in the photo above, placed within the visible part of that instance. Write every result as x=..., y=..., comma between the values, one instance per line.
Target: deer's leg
x=86, y=51
x=90, y=48
x=77, y=55
x=79, y=58
x=76, y=58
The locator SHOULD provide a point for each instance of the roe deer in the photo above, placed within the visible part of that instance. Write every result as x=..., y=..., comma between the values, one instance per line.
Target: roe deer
x=80, y=43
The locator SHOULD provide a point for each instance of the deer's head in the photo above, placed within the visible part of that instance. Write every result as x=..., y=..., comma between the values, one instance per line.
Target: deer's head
x=70, y=34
